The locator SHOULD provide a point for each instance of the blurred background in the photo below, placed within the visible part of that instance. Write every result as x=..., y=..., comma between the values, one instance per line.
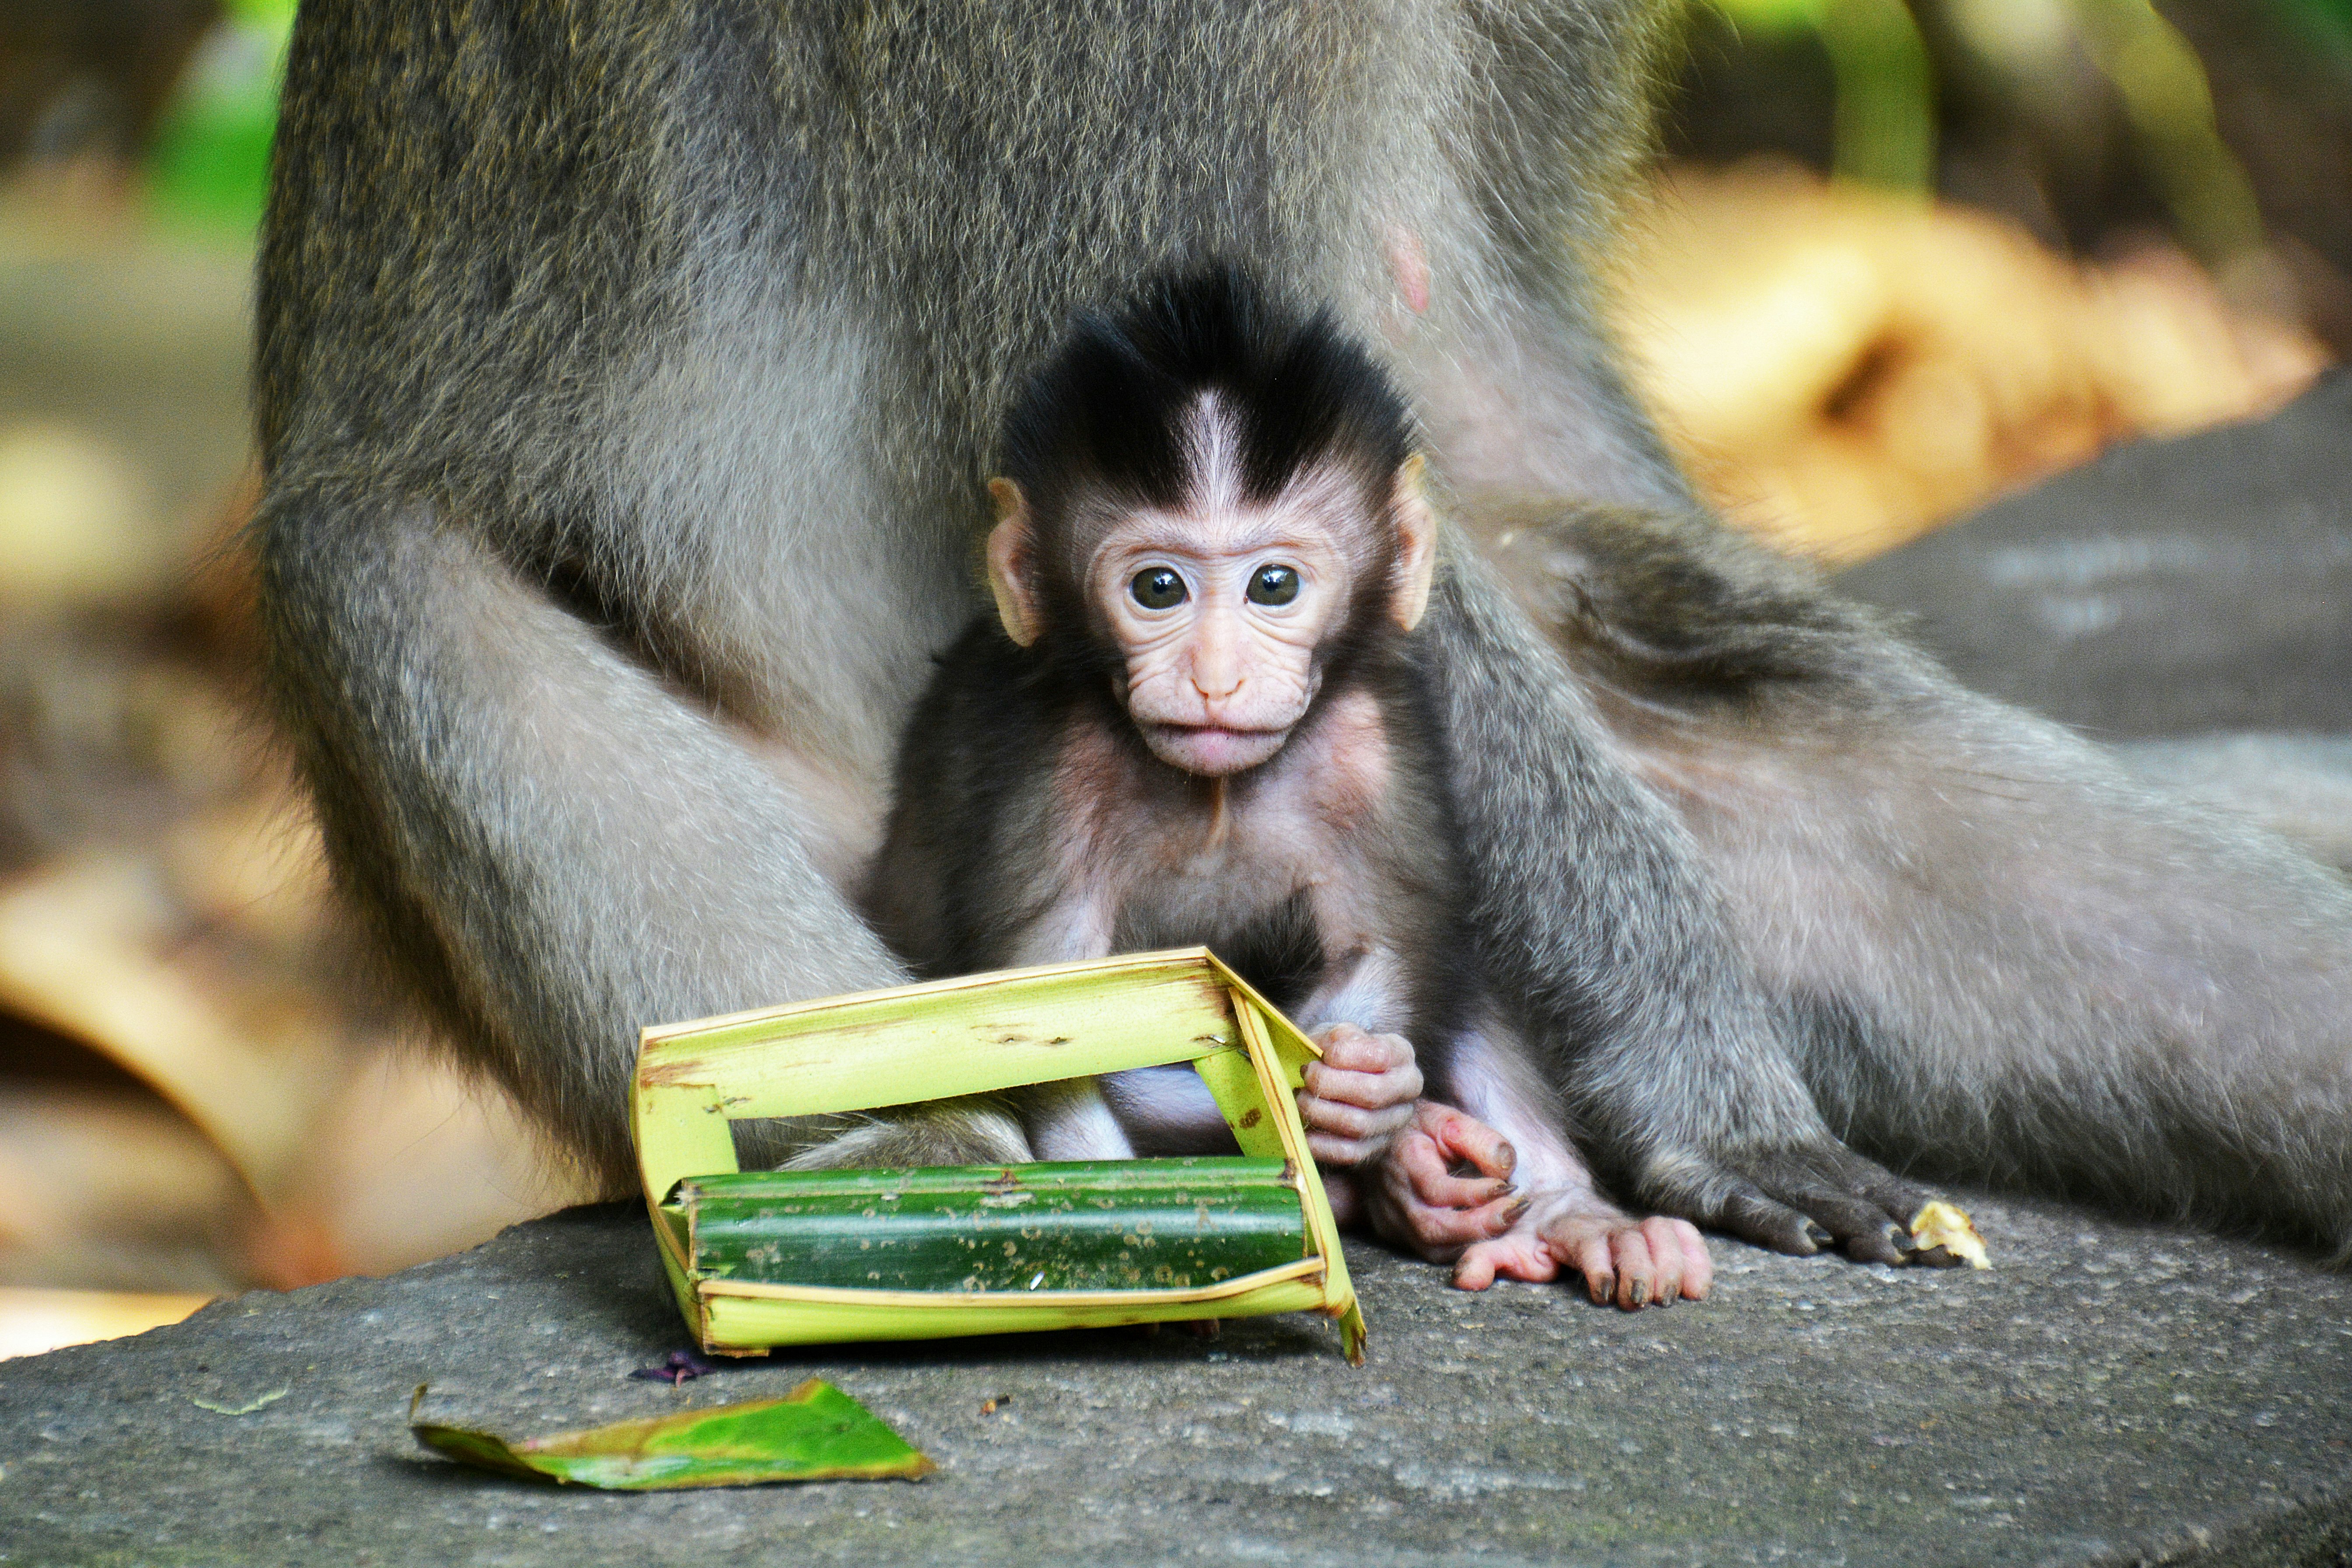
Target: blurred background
x=1903, y=259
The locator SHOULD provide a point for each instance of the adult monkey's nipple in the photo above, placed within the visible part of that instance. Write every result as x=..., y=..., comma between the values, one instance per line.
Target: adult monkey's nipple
x=1409, y=263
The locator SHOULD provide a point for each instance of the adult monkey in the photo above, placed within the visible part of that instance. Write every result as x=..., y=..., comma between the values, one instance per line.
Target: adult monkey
x=626, y=376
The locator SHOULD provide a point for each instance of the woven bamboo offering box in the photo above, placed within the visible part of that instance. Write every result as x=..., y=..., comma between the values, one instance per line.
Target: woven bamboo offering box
x=760, y=1258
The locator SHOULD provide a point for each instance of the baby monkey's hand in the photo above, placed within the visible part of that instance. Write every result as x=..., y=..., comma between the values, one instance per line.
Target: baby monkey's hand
x=1444, y=1186
x=1358, y=1097
x=1421, y=1175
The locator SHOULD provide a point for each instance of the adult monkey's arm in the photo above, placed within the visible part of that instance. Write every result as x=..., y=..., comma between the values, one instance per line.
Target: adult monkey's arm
x=559, y=846
x=587, y=611
x=1631, y=982
x=1606, y=923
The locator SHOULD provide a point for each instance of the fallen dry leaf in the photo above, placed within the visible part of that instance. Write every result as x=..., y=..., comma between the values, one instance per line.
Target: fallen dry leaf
x=1843, y=369
x=35, y=1322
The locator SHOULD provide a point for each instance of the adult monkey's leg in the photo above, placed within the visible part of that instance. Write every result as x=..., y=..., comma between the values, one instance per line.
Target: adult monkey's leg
x=1609, y=930
x=1622, y=962
x=1980, y=948
x=1985, y=951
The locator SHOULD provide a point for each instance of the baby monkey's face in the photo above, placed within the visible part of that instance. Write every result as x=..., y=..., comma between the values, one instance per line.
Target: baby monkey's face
x=1218, y=613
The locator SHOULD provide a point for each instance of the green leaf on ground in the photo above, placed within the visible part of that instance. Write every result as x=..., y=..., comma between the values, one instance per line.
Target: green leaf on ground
x=816, y=1433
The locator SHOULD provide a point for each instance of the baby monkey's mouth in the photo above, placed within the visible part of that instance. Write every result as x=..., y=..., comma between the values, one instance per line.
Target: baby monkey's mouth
x=1213, y=750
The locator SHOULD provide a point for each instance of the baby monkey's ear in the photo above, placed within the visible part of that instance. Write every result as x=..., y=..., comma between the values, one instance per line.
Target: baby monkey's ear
x=1416, y=557
x=1011, y=569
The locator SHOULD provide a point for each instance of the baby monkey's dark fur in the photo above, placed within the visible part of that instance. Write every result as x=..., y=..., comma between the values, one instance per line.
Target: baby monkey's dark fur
x=973, y=865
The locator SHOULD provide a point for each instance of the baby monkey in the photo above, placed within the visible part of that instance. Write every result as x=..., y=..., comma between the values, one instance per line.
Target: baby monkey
x=1197, y=718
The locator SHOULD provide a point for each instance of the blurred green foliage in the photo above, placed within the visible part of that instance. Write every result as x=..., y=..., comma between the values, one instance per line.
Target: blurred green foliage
x=2329, y=17
x=209, y=167
x=1886, y=110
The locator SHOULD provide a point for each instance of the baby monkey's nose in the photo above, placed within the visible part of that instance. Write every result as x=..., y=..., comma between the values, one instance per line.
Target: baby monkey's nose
x=1216, y=661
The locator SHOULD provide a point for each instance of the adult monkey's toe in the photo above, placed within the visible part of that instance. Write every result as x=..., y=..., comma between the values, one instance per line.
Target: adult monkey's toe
x=1810, y=1198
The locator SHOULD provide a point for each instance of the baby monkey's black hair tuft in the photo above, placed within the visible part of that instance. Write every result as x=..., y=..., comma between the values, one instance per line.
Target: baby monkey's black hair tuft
x=1110, y=408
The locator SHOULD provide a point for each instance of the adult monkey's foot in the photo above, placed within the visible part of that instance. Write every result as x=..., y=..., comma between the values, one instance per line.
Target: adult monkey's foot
x=1800, y=1200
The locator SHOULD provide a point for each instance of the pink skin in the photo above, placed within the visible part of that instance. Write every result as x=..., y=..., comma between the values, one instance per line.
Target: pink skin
x=1216, y=681
x=1650, y=1262
x=1395, y=1160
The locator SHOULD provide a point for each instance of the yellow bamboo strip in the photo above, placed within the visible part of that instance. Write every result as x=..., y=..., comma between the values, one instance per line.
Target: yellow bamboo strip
x=1254, y=1013
x=681, y=1132
x=1166, y=958
x=680, y=1271
x=1235, y=1085
x=740, y=1323
x=953, y=1039
x=1224, y=1290
x=1294, y=1139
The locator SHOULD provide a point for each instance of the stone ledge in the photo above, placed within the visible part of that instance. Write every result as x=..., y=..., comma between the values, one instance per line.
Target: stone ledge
x=2108, y=1393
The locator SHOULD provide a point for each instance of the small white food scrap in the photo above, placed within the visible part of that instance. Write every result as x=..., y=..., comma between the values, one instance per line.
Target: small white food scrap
x=1948, y=1225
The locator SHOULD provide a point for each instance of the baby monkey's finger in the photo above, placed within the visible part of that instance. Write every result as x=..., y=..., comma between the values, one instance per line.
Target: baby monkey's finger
x=1589, y=1255
x=1442, y=1189
x=1463, y=1139
x=1698, y=1265
x=1332, y=1150
x=1429, y=1174
x=1343, y=1120
x=1348, y=1047
x=1666, y=1259
x=1435, y=1184
x=1636, y=1274
x=1517, y=1256
x=1448, y=1228
x=1373, y=1090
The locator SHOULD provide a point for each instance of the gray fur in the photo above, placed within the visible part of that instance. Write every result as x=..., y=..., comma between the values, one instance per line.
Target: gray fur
x=626, y=380
x=1993, y=952
x=2298, y=786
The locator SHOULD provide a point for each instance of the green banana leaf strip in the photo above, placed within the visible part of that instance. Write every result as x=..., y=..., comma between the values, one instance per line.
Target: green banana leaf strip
x=816, y=1433
x=1072, y=1225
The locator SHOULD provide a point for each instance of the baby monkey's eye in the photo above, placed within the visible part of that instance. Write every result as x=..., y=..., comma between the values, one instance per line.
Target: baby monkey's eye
x=1157, y=588
x=1273, y=585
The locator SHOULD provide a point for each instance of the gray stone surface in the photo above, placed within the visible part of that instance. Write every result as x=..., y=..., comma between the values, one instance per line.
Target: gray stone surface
x=2171, y=586
x=2109, y=1392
